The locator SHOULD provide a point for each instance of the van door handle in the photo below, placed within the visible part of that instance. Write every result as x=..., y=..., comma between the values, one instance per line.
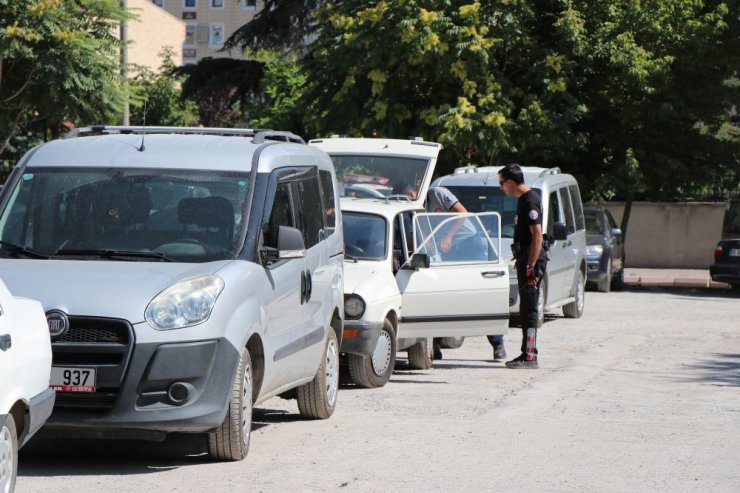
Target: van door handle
x=5, y=342
x=567, y=244
x=492, y=274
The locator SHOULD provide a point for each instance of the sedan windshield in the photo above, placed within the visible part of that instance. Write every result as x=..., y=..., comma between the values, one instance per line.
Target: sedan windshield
x=379, y=176
x=124, y=214
x=365, y=236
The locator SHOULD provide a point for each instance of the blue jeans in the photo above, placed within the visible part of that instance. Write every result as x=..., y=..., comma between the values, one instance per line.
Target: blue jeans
x=496, y=341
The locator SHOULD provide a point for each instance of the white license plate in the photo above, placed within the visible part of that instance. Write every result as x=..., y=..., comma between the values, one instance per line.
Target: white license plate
x=70, y=379
x=734, y=252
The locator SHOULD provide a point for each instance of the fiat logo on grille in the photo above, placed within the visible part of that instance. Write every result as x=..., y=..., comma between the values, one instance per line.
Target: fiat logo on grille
x=58, y=323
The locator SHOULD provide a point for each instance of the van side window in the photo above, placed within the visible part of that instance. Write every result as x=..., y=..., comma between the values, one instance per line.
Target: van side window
x=328, y=201
x=281, y=215
x=311, y=210
x=575, y=197
x=553, y=215
x=570, y=223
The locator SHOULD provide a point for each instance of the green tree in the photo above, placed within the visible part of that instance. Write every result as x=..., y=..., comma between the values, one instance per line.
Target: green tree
x=156, y=98
x=59, y=60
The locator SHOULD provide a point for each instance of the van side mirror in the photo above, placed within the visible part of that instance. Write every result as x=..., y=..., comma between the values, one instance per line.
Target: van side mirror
x=418, y=261
x=290, y=243
x=616, y=232
x=559, y=232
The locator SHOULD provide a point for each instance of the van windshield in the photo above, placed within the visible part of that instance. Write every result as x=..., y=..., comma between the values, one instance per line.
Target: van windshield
x=379, y=176
x=731, y=227
x=124, y=214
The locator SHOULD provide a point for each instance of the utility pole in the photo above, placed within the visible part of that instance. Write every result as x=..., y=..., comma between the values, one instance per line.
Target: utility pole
x=124, y=63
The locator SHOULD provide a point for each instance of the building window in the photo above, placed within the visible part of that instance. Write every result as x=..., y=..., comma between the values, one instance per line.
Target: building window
x=217, y=4
x=189, y=52
x=190, y=4
x=217, y=35
x=158, y=2
x=249, y=4
x=190, y=30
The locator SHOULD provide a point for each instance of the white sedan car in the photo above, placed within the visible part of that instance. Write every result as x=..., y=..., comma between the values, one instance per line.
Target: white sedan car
x=403, y=286
x=26, y=400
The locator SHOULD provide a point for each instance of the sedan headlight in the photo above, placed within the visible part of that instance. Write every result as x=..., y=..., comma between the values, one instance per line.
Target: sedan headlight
x=184, y=304
x=354, y=306
x=594, y=250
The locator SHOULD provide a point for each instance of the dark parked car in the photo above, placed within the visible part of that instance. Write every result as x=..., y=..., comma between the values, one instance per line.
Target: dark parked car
x=605, y=250
x=726, y=267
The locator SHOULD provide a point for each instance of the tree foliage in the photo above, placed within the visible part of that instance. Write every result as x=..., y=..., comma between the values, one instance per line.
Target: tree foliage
x=628, y=95
x=156, y=97
x=59, y=59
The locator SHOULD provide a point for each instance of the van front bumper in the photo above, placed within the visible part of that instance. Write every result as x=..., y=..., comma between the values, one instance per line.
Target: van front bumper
x=164, y=387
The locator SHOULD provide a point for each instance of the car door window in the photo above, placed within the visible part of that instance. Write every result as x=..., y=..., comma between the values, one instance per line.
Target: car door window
x=311, y=209
x=328, y=201
x=553, y=215
x=470, y=241
x=575, y=198
x=570, y=224
x=610, y=218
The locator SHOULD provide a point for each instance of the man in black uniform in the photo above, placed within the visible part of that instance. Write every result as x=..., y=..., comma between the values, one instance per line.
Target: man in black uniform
x=531, y=259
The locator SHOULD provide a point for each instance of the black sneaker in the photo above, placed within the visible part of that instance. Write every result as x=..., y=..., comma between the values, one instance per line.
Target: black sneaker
x=522, y=363
x=437, y=351
x=499, y=353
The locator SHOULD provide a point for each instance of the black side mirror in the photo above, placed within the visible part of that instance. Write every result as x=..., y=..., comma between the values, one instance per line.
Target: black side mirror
x=559, y=232
x=418, y=261
x=290, y=243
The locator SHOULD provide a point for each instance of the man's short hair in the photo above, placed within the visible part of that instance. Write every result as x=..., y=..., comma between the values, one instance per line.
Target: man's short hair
x=512, y=172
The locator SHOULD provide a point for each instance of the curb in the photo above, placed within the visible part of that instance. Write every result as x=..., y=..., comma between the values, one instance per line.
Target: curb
x=679, y=282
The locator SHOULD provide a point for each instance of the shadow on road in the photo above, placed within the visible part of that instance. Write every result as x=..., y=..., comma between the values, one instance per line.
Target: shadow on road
x=723, y=370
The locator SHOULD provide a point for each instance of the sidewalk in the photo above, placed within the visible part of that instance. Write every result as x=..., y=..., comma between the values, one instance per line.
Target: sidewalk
x=678, y=278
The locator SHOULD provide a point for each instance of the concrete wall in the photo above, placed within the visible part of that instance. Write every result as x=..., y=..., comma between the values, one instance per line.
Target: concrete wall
x=153, y=29
x=671, y=235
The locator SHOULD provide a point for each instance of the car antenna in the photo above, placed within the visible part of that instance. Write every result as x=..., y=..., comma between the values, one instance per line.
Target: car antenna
x=143, y=130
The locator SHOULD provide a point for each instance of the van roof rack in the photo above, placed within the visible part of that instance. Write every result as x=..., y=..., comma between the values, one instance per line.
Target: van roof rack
x=550, y=171
x=259, y=134
x=466, y=169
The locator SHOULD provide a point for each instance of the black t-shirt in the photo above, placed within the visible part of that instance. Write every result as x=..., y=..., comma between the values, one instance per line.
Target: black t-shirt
x=528, y=213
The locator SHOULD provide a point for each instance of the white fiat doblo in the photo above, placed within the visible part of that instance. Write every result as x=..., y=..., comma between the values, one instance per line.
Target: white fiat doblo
x=187, y=274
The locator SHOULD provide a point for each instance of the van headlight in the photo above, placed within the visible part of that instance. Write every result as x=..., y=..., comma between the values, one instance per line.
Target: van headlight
x=354, y=306
x=184, y=304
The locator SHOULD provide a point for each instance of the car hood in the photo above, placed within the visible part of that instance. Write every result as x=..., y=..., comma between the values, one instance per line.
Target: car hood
x=594, y=239
x=97, y=288
x=355, y=274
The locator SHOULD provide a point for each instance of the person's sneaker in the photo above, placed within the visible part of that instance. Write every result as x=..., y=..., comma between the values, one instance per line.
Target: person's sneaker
x=522, y=363
x=499, y=353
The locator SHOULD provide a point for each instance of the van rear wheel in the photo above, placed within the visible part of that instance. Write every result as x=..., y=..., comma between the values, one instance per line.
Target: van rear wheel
x=575, y=309
x=318, y=398
x=8, y=455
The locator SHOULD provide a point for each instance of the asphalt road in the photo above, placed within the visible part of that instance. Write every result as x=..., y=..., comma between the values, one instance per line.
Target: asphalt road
x=640, y=394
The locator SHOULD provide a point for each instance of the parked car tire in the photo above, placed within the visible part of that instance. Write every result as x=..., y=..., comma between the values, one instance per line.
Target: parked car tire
x=575, y=309
x=371, y=371
x=318, y=398
x=451, y=342
x=230, y=441
x=618, y=279
x=605, y=284
x=420, y=355
x=8, y=455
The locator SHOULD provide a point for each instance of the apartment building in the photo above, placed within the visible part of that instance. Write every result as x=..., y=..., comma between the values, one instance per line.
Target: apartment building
x=209, y=23
x=149, y=33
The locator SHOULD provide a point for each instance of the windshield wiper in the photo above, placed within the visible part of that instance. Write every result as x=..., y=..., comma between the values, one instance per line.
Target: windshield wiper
x=21, y=249
x=350, y=258
x=114, y=253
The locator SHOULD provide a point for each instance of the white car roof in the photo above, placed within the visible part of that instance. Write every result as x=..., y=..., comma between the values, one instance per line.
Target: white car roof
x=174, y=151
x=471, y=176
x=396, y=147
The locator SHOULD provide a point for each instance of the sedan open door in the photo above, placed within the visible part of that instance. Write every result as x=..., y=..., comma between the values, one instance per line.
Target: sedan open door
x=464, y=291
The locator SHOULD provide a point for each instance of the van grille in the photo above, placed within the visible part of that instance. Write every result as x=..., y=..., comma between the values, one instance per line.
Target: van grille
x=92, y=342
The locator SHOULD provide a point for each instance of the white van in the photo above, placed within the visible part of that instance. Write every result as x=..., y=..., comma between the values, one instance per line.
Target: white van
x=478, y=190
x=188, y=274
